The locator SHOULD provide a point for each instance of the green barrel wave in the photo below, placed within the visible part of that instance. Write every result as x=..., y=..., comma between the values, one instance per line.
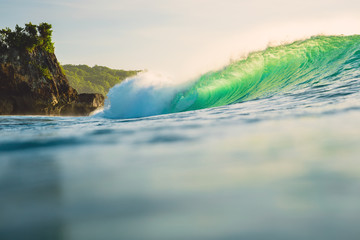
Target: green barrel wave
x=276, y=69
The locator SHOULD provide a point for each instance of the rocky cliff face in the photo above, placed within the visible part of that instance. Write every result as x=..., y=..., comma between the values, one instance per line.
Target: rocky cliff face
x=32, y=82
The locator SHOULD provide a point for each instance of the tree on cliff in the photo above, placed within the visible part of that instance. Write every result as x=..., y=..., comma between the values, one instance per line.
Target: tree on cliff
x=27, y=38
x=45, y=37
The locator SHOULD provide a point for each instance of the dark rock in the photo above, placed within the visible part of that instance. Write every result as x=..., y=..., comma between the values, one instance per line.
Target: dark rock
x=84, y=104
x=33, y=83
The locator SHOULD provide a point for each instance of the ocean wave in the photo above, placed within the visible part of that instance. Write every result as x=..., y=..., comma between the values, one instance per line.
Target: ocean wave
x=317, y=61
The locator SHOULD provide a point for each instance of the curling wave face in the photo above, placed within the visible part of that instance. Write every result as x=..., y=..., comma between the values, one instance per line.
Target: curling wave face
x=288, y=67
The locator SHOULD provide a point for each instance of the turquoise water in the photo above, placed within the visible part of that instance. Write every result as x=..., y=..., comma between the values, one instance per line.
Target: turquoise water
x=279, y=162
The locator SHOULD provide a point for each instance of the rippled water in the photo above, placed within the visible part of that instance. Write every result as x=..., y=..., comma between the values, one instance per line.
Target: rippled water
x=284, y=166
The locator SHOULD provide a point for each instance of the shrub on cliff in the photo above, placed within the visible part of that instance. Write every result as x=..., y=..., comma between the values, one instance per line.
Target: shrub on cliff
x=27, y=38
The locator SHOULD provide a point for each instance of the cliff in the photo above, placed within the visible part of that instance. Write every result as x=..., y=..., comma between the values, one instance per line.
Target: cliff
x=33, y=83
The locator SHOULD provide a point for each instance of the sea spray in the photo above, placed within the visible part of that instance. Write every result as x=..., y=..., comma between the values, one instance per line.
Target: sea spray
x=146, y=94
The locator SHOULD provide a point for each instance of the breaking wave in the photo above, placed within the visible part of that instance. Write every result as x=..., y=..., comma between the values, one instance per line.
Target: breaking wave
x=263, y=73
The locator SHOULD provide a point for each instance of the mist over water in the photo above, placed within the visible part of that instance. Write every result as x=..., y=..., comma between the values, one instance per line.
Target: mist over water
x=202, y=51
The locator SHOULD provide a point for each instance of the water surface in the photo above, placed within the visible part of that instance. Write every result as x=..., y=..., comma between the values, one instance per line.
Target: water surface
x=283, y=165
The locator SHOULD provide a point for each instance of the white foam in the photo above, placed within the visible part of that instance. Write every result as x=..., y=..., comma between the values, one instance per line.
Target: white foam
x=144, y=95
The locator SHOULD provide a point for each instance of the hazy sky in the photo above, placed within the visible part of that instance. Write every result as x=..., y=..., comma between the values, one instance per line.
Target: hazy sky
x=181, y=38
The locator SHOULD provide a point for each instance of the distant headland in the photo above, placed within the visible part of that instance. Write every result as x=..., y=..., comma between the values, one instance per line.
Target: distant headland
x=32, y=82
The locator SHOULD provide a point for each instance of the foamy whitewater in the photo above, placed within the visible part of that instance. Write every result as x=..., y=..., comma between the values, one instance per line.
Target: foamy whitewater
x=265, y=148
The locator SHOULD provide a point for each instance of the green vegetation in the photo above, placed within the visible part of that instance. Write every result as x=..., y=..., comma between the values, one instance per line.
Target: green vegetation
x=95, y=79
x=44, y=71
x=83, y=78
x=28, y=38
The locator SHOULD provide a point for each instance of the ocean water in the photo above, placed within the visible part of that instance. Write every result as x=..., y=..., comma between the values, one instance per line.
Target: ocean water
x=265, y=148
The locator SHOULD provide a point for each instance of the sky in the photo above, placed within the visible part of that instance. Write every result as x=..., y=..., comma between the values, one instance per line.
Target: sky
x=179, y=38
